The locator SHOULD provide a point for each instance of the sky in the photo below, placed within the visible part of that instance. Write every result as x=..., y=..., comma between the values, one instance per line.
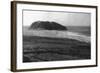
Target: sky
x=64, y=18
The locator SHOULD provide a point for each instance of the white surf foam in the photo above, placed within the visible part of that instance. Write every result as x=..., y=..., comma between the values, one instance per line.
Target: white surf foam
x=58, y=34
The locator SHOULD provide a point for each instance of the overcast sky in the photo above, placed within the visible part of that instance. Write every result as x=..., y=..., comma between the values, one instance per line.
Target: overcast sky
x=64, y=18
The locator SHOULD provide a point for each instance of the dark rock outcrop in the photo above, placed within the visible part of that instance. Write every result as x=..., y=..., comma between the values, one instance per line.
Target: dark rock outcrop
x=46, y=25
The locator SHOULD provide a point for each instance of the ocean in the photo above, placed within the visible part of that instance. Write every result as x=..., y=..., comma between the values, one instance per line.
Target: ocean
x=85, y=30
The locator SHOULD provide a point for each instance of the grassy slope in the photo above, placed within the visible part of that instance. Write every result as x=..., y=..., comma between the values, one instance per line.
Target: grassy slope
x=51, y=49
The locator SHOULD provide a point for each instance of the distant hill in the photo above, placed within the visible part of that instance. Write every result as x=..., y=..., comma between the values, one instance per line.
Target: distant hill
x=46, y=25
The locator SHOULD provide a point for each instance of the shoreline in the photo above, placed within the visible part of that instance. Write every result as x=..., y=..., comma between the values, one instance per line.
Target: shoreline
x=57, y=34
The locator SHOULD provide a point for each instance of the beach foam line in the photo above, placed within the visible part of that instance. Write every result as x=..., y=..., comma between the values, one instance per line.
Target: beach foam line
x=58, y=34
x=79, y=37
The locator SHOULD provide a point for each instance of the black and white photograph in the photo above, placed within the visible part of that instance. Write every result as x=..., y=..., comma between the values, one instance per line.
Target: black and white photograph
x=55, y=36
x=52, y=36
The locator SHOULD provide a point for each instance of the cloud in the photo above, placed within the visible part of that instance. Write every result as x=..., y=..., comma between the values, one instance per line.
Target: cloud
x=64, y=18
